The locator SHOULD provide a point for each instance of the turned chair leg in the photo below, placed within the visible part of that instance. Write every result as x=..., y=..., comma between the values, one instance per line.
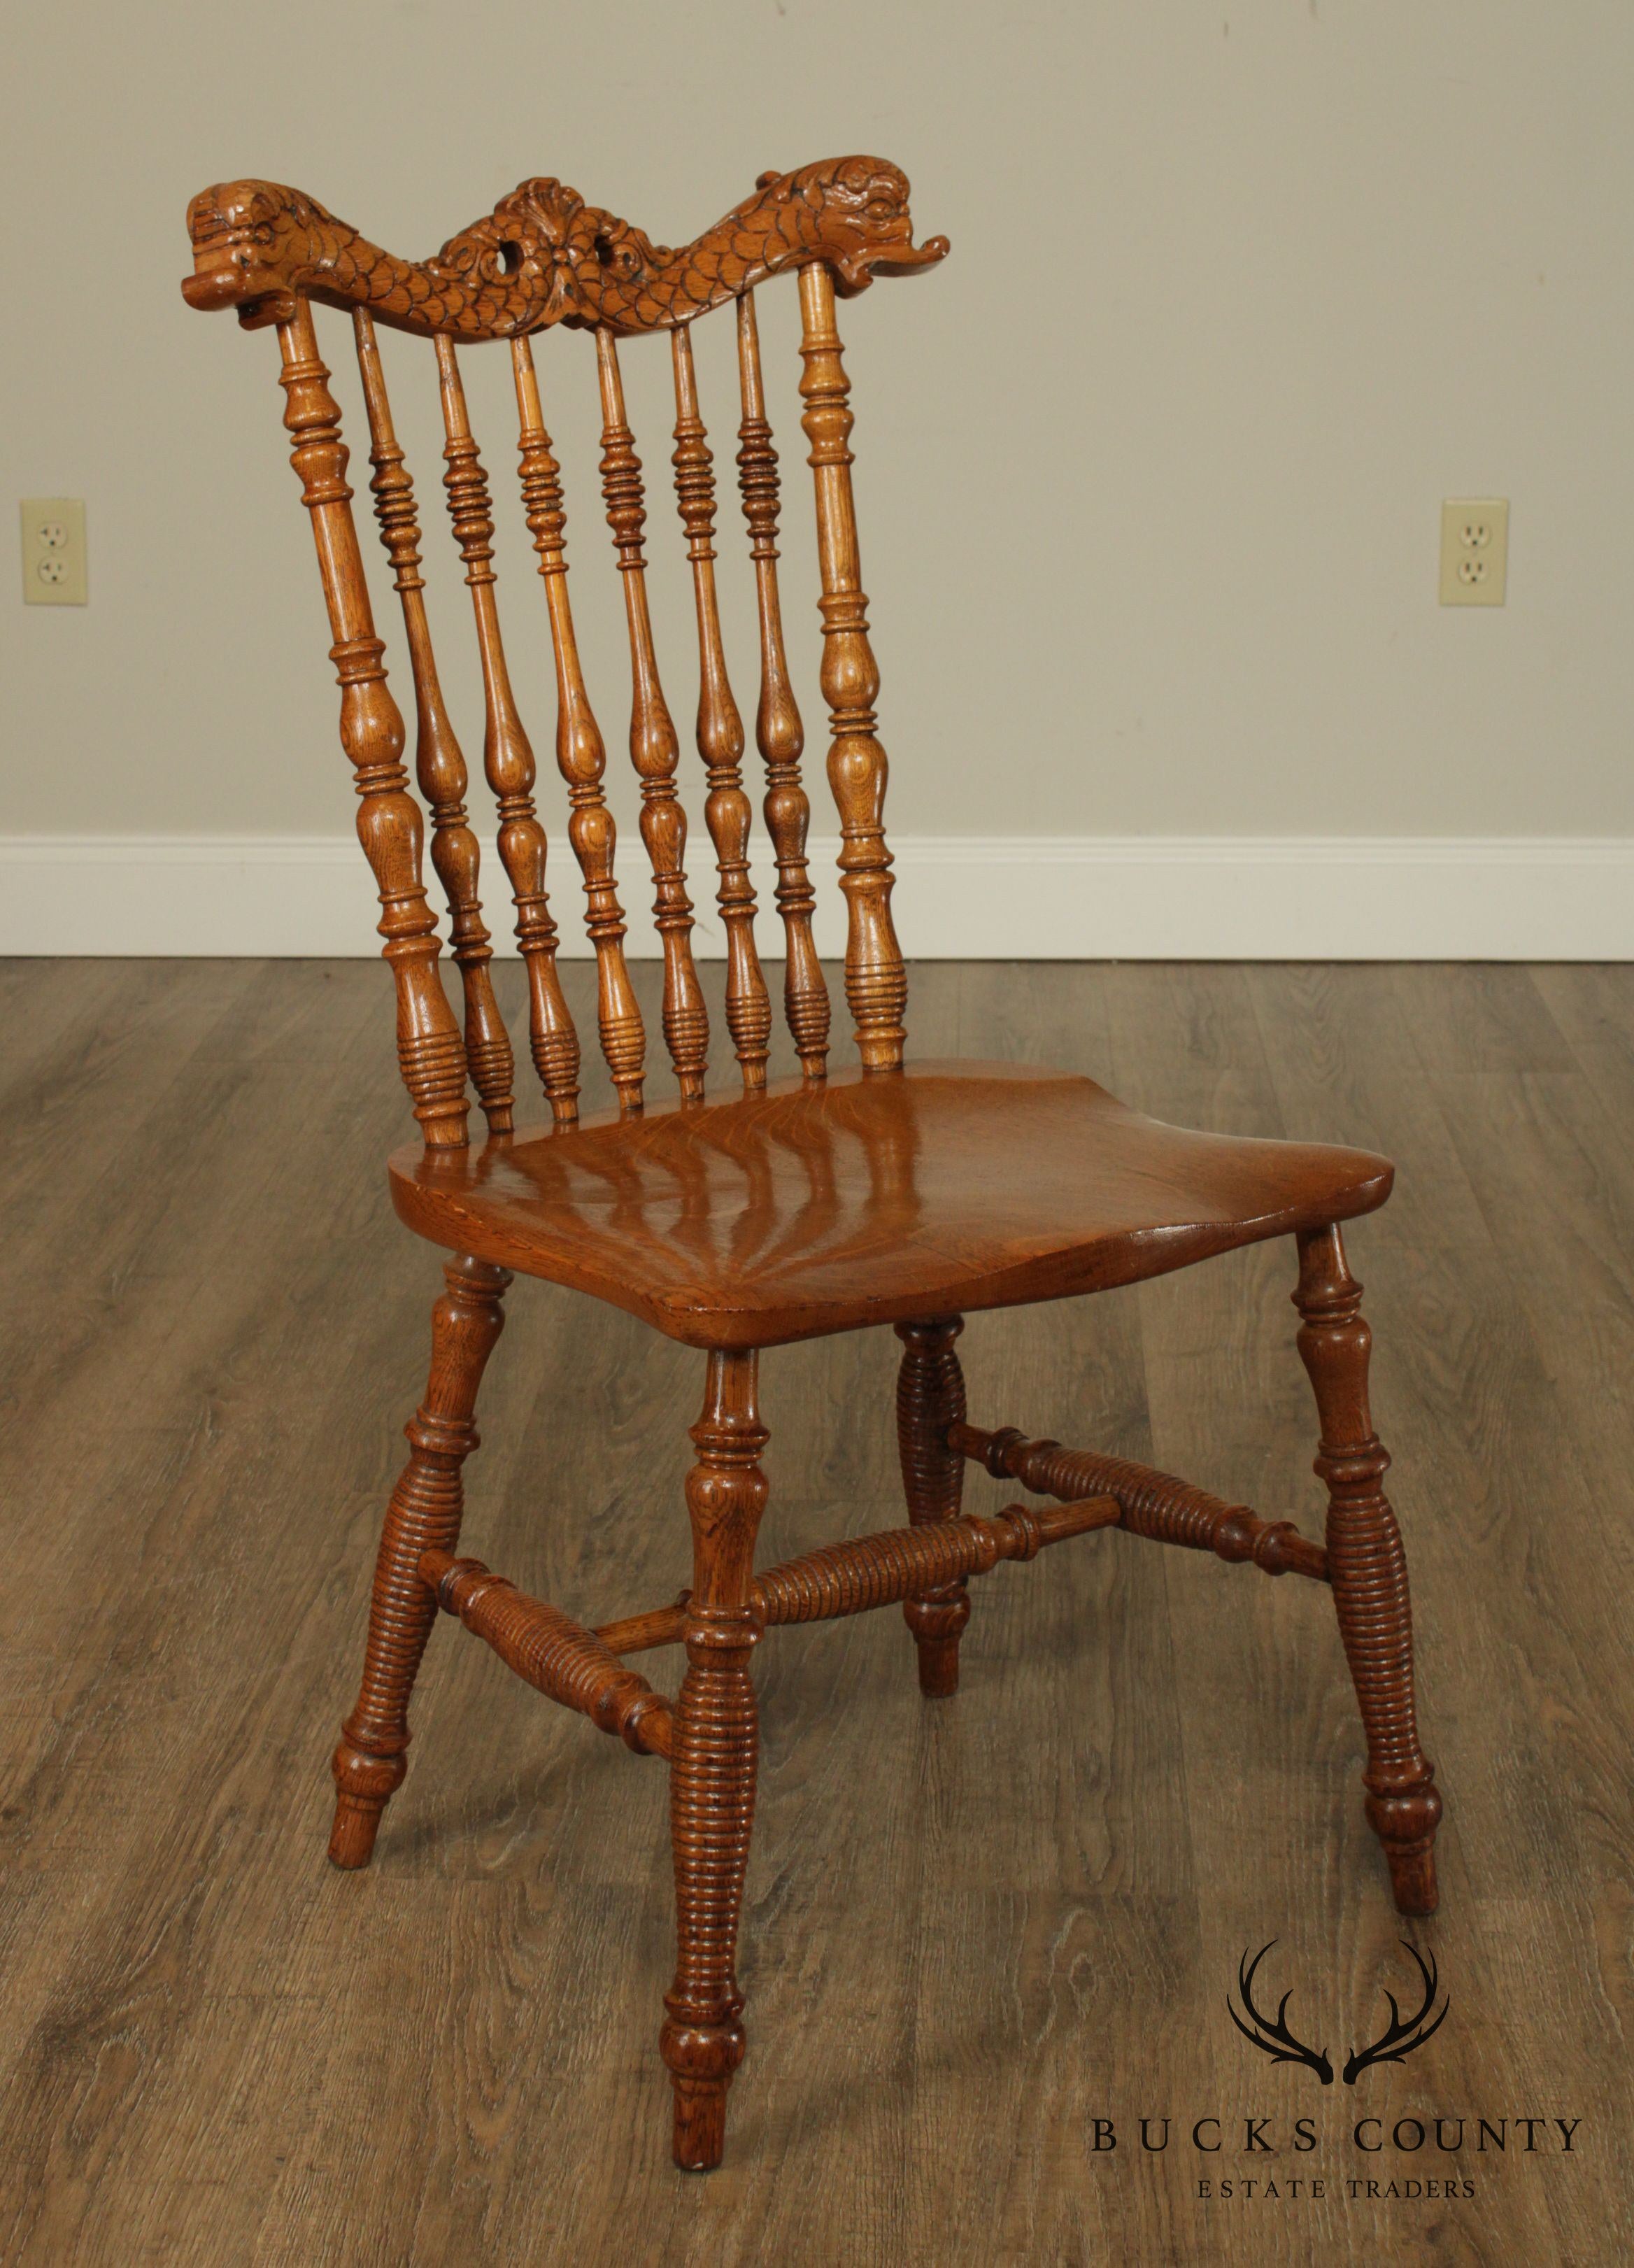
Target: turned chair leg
x=1367, y=1569
x=930, y=1399
x=713, y=1763
x=423, y=1515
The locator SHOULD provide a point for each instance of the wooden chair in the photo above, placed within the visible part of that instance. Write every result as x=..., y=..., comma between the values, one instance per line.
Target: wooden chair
x=891, y=1191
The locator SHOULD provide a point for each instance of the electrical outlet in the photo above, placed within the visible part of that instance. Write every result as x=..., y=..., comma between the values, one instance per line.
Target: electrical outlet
x=54, y=551
x=1474, y=551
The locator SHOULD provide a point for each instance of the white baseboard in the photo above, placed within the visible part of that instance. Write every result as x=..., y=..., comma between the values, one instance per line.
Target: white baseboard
x=958, y=897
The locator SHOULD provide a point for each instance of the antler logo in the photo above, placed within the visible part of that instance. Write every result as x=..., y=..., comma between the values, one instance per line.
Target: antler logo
x=1399, y=2036
x=1274, y=2038
x=1398, y=2040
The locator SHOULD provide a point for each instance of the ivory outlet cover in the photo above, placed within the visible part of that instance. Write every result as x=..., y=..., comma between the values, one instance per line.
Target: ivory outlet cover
x=54, y=551
x=1474, y=551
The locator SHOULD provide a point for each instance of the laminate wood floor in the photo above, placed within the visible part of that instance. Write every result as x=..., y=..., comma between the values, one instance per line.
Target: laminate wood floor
x=973, y=1930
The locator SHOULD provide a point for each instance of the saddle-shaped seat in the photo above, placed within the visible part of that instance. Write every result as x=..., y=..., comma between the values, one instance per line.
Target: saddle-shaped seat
x=811, y=1208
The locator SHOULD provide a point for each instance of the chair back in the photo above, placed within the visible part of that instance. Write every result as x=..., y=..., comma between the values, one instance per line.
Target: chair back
x=542, y=258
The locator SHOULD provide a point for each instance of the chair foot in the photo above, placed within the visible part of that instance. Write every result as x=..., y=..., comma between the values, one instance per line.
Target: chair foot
x=364, y=1785
x=937, y=1643
x=929, y=1401
x=351, y=1836
x=698, y=2142
x=1406, y=1826
x=700, y=2128
x=423, y=1515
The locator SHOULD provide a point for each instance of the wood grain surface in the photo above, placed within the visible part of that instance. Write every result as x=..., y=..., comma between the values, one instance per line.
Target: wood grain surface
x=814, y=1207
x=971, y=1928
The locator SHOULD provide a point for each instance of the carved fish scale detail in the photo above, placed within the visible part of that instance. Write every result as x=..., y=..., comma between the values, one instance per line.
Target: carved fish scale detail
x=543, y=256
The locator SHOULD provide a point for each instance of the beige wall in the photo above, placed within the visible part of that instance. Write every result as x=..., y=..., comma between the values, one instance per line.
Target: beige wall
x=1149, y=471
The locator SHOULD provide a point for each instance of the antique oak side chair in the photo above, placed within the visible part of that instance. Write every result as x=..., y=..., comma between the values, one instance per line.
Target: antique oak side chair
x=890, y=1191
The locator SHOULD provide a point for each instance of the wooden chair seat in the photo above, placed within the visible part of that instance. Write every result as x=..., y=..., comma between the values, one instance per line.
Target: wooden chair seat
x=808, y=1209
x=888, y=1191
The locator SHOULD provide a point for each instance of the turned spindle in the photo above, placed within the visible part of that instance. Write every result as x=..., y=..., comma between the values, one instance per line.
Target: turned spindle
x=423, y=1515
x=1367, y=1569
x=866, y=1571
x=553, y=1652
x=430, y=1052
x=654, y=749
x=726, y=810
x=508, y=755
x=778, y=733
x=439, y=760
x=876, y=979
x=930, y=1402
x=714, y=1753
x=580, y=755
x=1155, y=1504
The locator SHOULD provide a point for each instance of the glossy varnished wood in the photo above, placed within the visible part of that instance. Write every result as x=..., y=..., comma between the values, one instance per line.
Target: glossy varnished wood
x=818, y=1208
x=430, y=1053
x=1367, y=1568
x=1152, y=1504
x=715, y=1746
x=876, y=978
x=545, y=256
x=779, y=734
x=866, y=1571
x=580, y=756
x=727, y=810
x=508, y=755
x=439, y=760
x=555, y=1654
x=654, y=749
x=423, y=1515
x=930, y=1405
x=968, y=1929
x=908, y=1192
